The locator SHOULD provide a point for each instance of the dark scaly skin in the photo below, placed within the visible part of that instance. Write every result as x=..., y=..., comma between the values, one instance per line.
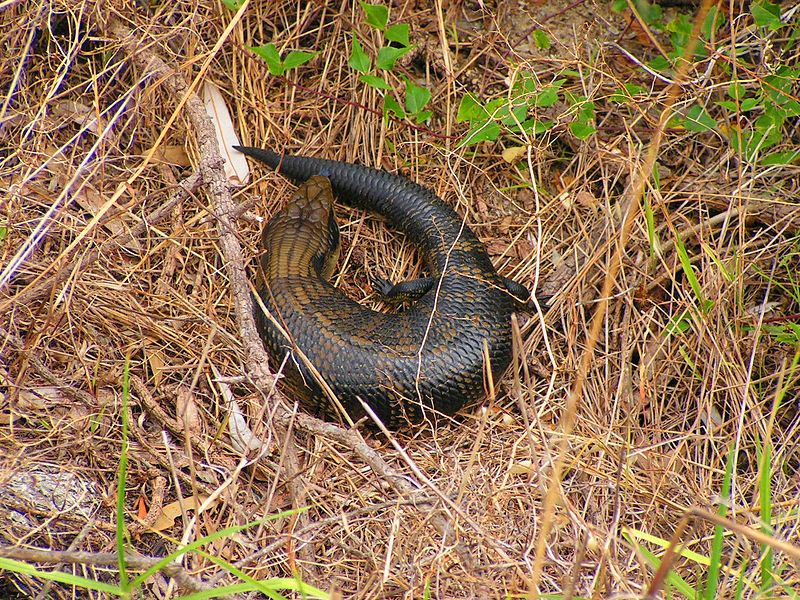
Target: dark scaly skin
x=430, y=356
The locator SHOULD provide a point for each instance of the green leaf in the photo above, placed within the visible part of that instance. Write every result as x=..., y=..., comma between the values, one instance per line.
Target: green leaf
x=391, y=105
x=548, y=96
x=698, y=119
x=581, y=130
x=535, y=126
x=750, y=103
x=525, y=84
x=271, y=56
x=387, y=56
x=791, y=108
x=779, y=89
x=416, y=97
x=510, y=115
x=618, y=98
x=483, y=131
x=398, y=33
x=650, y=13
x=586, y=111
x=785, y=334
x=3, y=232
x=585, y=107
x=676, y=121
x=520, y=113
x=541, y=39
x=572, y=98
x=423, y=116
x=681, y=29
x=470, y=109
x=767, y=122
x=358, y=58
x=766, y=14
x=375, y=81
x=296, y=58
x=714, y=20
x=493, y=106
x=233, y=5
x=678, y=324
x=377, y=15
x=634, y=89
x=780, y=158
x=619, y=5
x=659, y=63
x=736, y=90
x=779, y=86
x=739, y=140
x=788, y=75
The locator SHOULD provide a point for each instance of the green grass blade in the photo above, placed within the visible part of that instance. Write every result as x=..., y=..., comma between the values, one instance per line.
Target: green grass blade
x=209, y=538
x=686, y=265
x=672, y=579
x=268, y=586
x=764, y=492
x=651, y=225
x=740, y=583
x=122, y=477
x=230, y=590
x=7, y=564
x=715, y=565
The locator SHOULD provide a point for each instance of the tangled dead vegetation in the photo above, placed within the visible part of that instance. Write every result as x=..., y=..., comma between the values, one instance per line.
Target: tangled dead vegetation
x=670, y=345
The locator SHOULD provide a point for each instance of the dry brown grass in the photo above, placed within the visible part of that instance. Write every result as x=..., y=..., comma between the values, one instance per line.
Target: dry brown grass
x=657, y=413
